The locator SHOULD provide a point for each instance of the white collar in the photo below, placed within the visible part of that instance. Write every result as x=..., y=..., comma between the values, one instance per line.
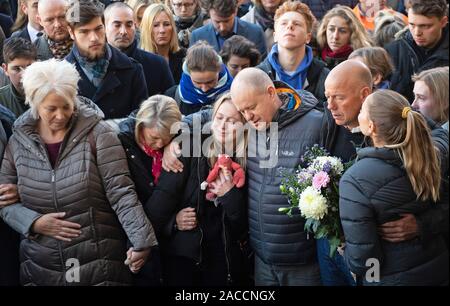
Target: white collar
x=32, y=32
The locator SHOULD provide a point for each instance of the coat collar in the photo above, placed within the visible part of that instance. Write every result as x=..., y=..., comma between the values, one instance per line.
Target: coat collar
x=82, y=122
x=118, y=61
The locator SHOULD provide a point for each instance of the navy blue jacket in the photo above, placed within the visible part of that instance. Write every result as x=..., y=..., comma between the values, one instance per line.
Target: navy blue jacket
x=250, y=31
x=156, y=69
x=123, y=89
x=22, y=33
x=277, y=238
x=375, y=190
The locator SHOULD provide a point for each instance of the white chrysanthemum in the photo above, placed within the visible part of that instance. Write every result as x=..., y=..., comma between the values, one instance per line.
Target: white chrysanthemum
x=336, y=165
x=312, y=204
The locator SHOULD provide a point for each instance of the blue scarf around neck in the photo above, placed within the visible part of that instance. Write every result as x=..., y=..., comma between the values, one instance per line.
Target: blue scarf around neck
x=192, y=95
x=95, y=70
x=297, y=80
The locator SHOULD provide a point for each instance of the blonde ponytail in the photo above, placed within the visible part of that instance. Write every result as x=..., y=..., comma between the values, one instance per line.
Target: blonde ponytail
x=407, y=132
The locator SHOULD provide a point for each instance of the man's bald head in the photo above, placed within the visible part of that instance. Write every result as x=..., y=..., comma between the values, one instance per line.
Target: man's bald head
x=45, y=5
x=52, y=17
x=116, y=6
x=353, y=73
x=119, y=25
x=254, y=95
x=346, y=88
x=253, y=79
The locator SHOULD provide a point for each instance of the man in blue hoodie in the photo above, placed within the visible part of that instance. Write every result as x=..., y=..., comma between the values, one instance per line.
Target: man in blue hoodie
x=290, y=59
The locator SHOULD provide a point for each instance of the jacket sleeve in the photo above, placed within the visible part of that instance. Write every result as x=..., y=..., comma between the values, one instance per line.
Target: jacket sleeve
x=359, y=225
x=205, y=117
x=139, y=87
x=194, y=37
x=436, y=220
x=16, y=215
x=120, y=191
x=234, y=204
x=164, y=203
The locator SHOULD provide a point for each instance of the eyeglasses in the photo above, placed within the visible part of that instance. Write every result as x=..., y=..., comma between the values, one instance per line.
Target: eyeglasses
x=178, y=5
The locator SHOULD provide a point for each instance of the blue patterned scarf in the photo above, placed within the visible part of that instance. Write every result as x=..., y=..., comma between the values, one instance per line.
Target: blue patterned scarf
x=95, y=70
x=192, y=95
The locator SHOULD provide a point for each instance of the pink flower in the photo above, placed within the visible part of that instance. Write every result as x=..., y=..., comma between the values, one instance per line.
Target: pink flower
x=320, y=179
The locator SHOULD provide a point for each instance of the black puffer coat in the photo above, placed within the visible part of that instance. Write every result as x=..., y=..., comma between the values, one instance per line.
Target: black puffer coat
x=227, y=222
x=375, y=190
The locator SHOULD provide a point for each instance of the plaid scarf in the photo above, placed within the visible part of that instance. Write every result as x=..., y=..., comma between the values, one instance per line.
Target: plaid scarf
x=263, y=18
x=95, y=70
x=60, y=49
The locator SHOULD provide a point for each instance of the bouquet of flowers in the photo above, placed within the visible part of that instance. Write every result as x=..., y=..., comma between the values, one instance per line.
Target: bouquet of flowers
x=313, y=189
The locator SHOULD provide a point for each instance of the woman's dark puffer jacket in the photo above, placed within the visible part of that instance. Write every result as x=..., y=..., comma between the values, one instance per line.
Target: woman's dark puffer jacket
x=176, y=191
x=375, y=190
x=94, y=189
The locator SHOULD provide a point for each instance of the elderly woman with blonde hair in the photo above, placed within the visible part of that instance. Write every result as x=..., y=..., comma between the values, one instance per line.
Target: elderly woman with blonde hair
x=78, y=204
x=144, y=134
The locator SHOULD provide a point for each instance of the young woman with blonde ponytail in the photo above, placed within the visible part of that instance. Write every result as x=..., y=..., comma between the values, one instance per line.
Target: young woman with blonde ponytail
x=399, y=175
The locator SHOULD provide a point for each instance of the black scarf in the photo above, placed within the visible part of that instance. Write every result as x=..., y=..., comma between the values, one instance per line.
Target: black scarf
x=263, y=18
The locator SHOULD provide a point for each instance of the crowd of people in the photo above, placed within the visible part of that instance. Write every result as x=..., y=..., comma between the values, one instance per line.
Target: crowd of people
x=114, y=114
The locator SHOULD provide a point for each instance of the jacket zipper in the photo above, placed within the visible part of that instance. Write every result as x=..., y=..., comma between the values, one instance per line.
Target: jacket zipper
x=229, y=279
x=261, y=193
x=55, y=203
x=200, y=257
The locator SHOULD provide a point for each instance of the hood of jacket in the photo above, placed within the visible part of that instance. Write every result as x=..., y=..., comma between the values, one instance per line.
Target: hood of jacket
x=295, y=104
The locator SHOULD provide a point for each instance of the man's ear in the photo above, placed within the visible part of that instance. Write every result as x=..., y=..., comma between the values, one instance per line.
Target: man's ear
x=365, y=92
x=23, y=7
x=377, y=79
x=308, y=38
x=373, y=129
x=271, y=90
x=39, y=20
x=71, y=33
x=444, y=21
x=5, y=68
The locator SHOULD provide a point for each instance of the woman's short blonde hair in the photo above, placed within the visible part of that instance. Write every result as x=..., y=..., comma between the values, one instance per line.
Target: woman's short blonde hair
x=51, y=76
x=160, y=112
x=147, y=39
x=359, y=37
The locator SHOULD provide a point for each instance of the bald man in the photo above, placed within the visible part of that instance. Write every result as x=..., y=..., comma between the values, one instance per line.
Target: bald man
x=284, y=254
x=55, y=42
x=346, y=88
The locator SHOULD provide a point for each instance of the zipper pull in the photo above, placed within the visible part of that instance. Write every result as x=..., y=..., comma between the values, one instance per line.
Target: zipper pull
x=53, y=176
x=307, y=235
